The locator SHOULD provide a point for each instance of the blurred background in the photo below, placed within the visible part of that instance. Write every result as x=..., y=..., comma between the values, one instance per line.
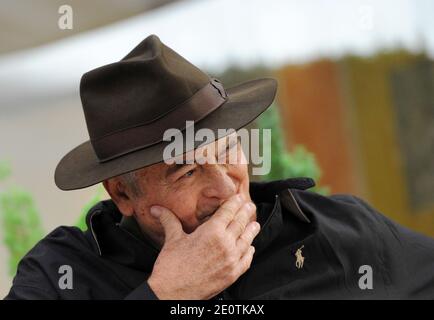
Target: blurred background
x=354, y=111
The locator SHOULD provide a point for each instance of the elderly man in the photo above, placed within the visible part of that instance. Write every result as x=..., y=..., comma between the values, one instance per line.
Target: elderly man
x=199, y=229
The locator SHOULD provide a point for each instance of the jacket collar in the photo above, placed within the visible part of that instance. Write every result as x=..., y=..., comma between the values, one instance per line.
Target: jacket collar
x=272, y=200
x=115, y=243
x=268, y=192
x=128, y=246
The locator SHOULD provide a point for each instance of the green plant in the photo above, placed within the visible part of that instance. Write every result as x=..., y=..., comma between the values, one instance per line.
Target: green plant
x=297, y=163
x=5, y=170
x=20, y=219
x=81, y=222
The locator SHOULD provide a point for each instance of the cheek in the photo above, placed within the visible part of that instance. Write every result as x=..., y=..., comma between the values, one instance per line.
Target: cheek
x=183, y=205
x=182, y=202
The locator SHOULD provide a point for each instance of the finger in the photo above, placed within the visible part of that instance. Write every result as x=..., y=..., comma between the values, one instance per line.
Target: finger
x=246, y=214
x=246, y=260
x=171, y=225
x=247, y=237
x=227, y=210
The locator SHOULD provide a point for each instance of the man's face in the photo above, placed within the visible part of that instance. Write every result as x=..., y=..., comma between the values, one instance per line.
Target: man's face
x=193, y=192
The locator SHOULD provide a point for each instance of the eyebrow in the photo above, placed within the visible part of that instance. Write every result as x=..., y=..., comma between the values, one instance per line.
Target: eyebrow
x=174, y=168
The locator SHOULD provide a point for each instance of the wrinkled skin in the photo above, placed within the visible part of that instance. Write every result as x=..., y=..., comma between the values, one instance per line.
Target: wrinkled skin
x=201, y=216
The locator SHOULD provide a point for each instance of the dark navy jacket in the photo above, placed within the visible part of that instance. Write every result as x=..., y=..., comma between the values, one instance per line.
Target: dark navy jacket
x=309, y=247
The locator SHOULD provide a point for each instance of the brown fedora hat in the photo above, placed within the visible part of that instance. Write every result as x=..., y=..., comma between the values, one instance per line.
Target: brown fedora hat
x=128, y=105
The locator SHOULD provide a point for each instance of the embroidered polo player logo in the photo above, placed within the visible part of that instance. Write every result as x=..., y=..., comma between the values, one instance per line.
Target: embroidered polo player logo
x=300, y=259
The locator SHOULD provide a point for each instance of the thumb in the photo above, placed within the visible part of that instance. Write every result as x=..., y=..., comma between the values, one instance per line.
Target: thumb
x=170, y=222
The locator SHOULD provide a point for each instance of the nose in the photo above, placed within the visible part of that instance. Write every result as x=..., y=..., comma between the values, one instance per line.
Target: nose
x=220, y=184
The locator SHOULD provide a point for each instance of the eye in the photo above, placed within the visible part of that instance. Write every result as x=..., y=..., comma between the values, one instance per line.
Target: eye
x=189, y=173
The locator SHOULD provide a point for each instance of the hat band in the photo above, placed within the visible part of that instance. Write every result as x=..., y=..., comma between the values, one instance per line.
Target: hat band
x=119, y=143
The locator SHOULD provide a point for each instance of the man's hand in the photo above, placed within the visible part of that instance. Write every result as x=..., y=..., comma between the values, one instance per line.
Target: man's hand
x=202, y=264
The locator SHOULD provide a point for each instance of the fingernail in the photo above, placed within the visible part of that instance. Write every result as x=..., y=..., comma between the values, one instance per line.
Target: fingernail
x=156, y=211
x=248, y=206
x=257, y=226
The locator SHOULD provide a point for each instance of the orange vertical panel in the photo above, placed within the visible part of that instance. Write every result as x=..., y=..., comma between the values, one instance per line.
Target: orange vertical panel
x=313, y=115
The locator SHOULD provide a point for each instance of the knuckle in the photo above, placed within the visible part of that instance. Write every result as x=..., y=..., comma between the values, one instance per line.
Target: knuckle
x=248, y=263
x=227, y=253
x=232, y=262
x=213, y=228
x=252, y=207
x=219, y=244
x=215, y=238
x=232, y=275
x=224, y=210
x=252, y=211
x=228, y=258
x=239, y=226
x=247, y=236
x=243, y=244
x=164, y=218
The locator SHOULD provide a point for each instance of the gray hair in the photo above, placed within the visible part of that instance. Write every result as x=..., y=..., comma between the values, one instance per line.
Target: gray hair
x=130, y=179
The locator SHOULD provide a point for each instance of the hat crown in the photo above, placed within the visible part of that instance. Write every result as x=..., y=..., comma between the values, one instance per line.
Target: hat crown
x=145, y=85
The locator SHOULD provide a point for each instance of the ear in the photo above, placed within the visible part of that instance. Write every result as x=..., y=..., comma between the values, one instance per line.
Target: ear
x=117, y=191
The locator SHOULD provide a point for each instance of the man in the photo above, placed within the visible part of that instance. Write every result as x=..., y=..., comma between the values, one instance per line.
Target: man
x=200, y=230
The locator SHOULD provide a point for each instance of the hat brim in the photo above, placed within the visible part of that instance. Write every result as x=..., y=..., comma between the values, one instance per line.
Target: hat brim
x=80, y=168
